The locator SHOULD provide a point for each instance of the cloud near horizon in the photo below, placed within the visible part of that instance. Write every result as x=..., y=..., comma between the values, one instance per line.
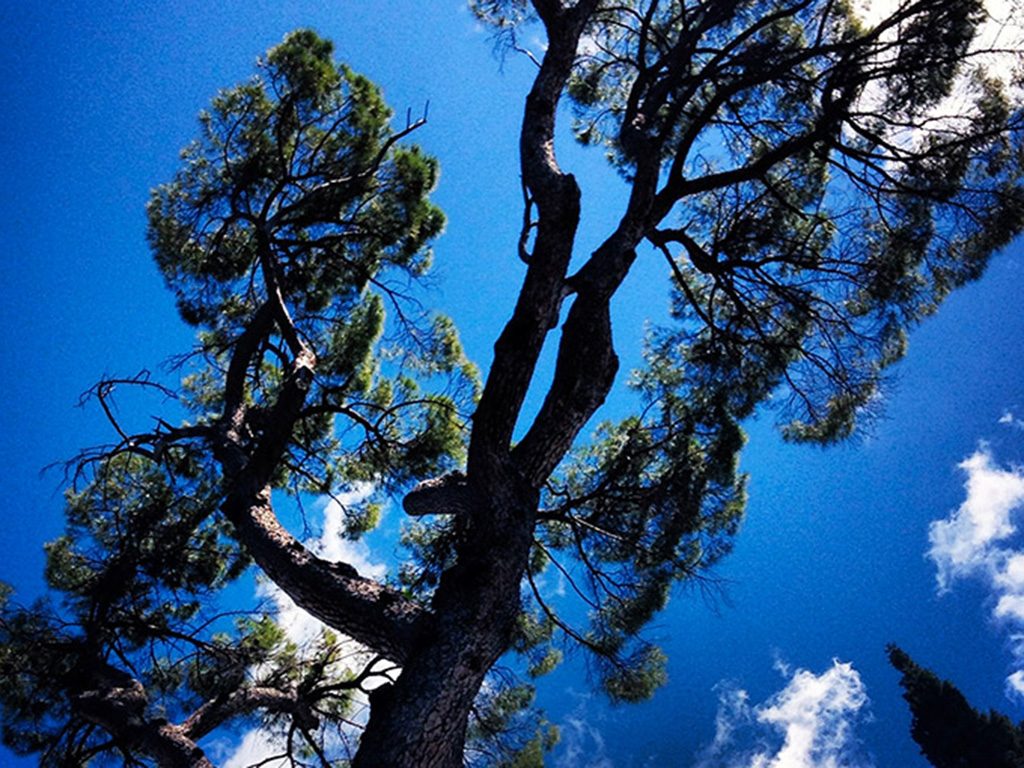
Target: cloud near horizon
x=808, y=724
x=980, y=540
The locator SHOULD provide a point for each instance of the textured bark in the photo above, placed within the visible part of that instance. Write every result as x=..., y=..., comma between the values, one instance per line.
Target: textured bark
x=556, y=196
x=445, y=495
x=420, y=721
x=117, y=703
x=369, y=612
x=216, y=712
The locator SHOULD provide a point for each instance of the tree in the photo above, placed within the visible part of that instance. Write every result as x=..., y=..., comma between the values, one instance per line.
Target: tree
x=812, y=195
x=949, y=731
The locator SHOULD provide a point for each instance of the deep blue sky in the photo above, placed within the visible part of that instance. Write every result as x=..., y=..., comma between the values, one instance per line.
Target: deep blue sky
x=98, y=99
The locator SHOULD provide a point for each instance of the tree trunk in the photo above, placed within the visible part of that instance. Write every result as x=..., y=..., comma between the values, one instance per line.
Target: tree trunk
x=420, y=721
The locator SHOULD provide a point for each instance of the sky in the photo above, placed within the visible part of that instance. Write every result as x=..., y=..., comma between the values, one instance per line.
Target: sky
x=908, y=533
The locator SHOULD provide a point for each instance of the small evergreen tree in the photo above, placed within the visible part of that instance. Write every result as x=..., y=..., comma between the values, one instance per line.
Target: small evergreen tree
x=949, y=731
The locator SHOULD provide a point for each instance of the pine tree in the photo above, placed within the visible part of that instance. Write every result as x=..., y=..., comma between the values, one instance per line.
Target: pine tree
x=783, y=159
x=949, y=731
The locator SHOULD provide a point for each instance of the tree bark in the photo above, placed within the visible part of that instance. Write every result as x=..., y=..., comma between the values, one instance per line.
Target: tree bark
x=421, y=720
x=370, y=613
x=116, y=702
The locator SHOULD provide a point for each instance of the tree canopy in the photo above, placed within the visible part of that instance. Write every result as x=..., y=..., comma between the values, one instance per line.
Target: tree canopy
x=814, y=184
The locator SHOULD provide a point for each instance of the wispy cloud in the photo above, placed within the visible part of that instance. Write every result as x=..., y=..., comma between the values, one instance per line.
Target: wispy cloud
x=1010, y=419
x=808, y=724
x=979, y=540
x=581, y=743
x=260, y=746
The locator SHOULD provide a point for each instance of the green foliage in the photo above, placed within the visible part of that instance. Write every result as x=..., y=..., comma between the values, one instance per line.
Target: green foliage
x=291, y=218
x=933, y=50
x=504, y=731
x=504, y=15
x=639, y=677
x=652, y=502
x=33, y=663
x=296, y=191
x=533, y=639
x=948, y=730
x=298, y=160
x=112, y=562
x=813, y=208
x=430, y=545
x=546, y=663
x=785, y=160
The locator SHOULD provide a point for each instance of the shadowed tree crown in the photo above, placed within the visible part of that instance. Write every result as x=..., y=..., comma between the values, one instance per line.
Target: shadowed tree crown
x=949, y=731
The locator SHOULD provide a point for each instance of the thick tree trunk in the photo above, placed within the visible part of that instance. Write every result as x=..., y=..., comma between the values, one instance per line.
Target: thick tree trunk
x=420, y=721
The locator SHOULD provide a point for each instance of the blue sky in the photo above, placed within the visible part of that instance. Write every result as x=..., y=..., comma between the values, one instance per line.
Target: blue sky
x=832, y=562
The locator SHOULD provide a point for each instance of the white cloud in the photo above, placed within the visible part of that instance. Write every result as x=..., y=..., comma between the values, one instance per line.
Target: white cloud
x=814, y=711
x=1010, y=607
x=259, y=745
x=970, y=541
x=1015, y=685
x=979, y=540
x=1009, y=419
x=334, y=545
x=1011, y=576
x=807, y=724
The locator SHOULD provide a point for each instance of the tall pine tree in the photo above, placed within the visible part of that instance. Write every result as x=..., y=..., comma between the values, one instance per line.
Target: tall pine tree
x=785, y=161
x=949, y=731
